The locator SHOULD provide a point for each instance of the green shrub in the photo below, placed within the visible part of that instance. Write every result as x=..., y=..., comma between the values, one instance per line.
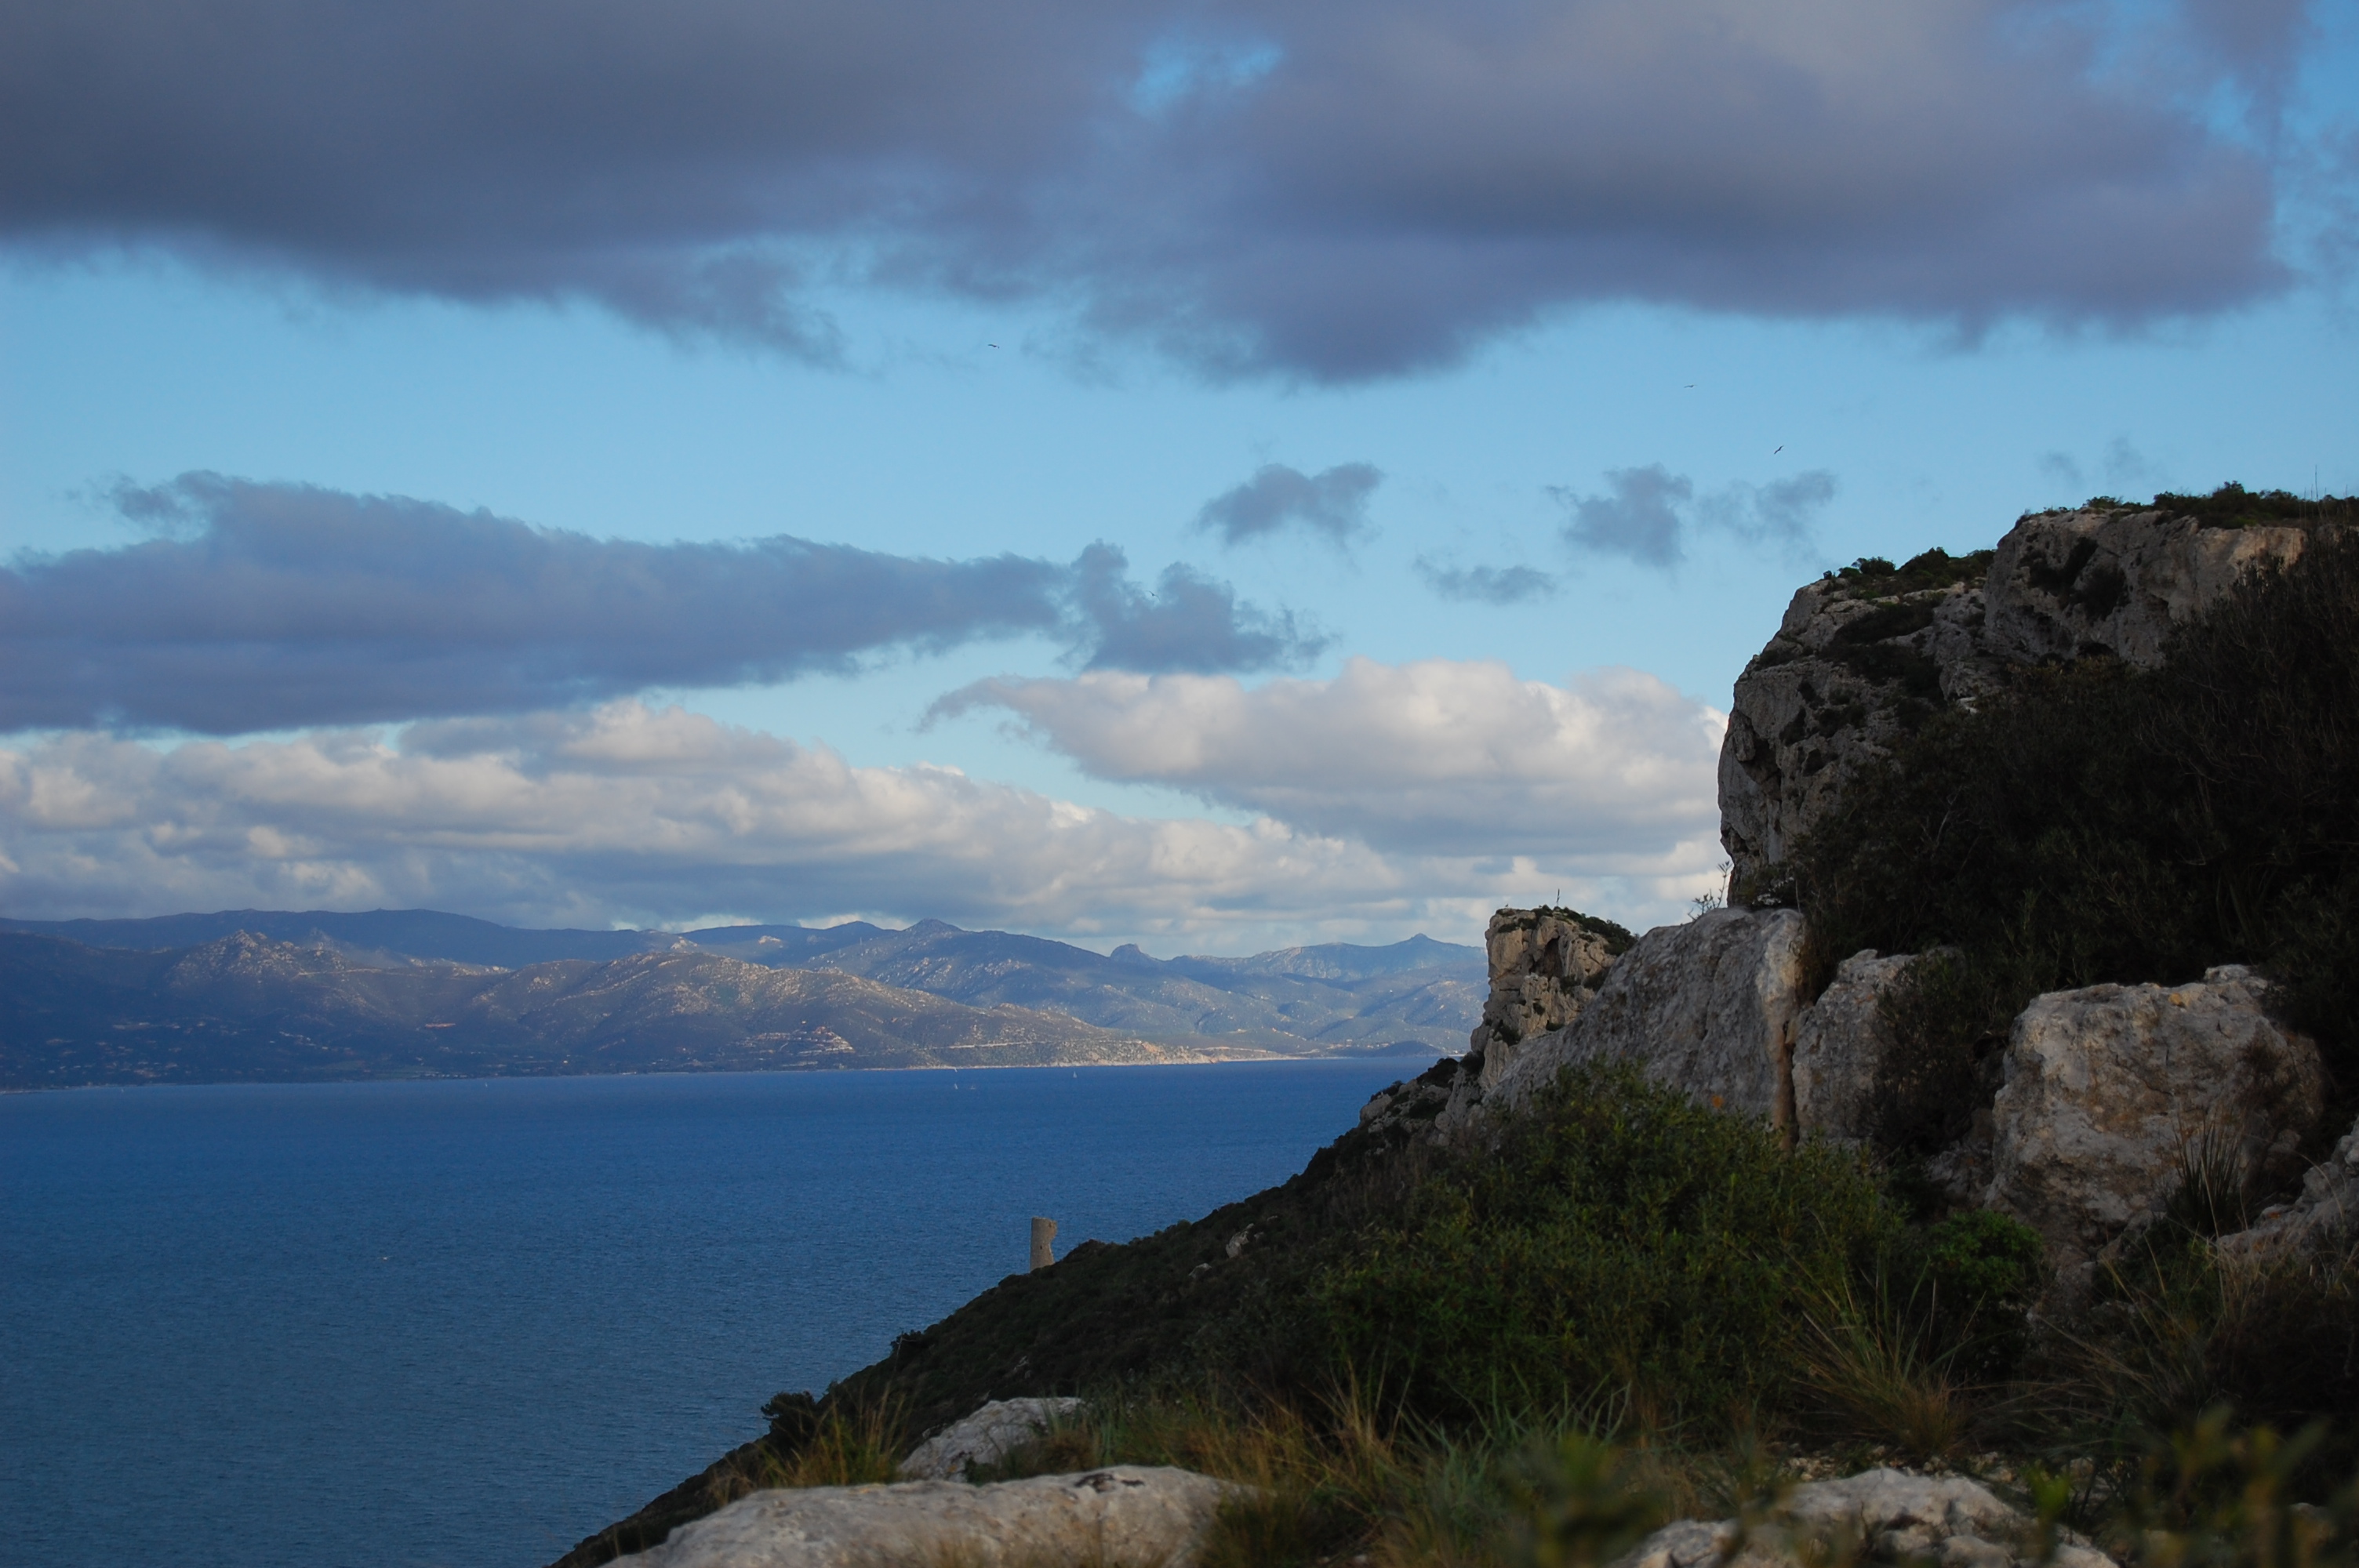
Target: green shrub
x=1621, y=1248
x=2099, y=823
x=1981, y=1261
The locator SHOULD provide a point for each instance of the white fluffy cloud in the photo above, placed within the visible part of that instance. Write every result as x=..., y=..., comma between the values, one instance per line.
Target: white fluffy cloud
x=1440, y=757
x=630, y=813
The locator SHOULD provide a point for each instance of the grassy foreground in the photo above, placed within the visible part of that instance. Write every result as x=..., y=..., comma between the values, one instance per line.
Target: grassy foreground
x=1620, y=1308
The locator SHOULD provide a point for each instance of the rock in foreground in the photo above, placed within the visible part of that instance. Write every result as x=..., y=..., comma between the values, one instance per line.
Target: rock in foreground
x=1894, y=1516
x=2110, y=1089
x=1126, y=1514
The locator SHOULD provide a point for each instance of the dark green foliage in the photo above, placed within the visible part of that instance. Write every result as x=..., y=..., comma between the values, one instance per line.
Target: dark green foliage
x=1873, y=576
x=2233, y=506
x=2179, y=1331
x=1982, y=1260
x=1947, y=1028
x=1618, y=938
x=2104, y=824
x=1624, y=1245
x=1978, y=1271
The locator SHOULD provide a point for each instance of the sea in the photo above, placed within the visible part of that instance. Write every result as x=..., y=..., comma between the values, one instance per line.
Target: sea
x=464, y=1323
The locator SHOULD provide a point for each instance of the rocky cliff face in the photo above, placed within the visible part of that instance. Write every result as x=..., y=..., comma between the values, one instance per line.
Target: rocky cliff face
x=1546, y=964
x=1710, y=1005
x=1866, y=654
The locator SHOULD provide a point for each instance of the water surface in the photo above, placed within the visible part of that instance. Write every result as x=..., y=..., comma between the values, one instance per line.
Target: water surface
x=468, y=1323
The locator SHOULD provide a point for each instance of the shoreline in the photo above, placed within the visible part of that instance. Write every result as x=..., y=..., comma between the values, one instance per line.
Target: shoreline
x=1256, y=1060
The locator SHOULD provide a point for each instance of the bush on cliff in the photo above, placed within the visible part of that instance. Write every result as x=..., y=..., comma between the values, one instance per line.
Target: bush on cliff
x=1623, y=1250
x=2099, y=822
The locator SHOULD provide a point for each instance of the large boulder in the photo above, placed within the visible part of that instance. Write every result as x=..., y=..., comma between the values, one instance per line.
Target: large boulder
x=2109, y=1087
x=1886, y=1516
x=1124, y=1514
x=1841, y=1047
x=1710, y=1006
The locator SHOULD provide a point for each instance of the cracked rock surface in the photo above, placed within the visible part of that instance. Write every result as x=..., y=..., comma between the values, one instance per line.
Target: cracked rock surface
x=1125, y=1513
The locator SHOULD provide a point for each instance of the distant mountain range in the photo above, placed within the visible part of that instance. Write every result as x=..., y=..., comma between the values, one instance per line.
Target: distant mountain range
x=276, y=995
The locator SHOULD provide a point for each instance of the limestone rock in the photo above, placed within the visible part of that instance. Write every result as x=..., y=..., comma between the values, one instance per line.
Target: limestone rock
x=2326, y=1215
x=1857, y=661
x=2064, y=584
x=1844, y=678
x=2106, y=1086
x=1896, y=1516
x=1840, y=1044
x=1710, y=1006
x=1126, y=1514
x=987, y=1437
x=1545, y=966
x=1416, y=1103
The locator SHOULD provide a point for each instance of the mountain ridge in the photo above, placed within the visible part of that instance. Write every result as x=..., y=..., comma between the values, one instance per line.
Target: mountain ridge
x=327, y=995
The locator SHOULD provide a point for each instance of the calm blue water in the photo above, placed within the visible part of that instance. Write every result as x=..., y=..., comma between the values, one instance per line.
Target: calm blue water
x=466, y=1324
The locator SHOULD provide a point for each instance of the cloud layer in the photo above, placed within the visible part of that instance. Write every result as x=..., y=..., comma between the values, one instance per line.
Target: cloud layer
x=1333, y=503
x=1252, y=184
x=1439, y=757
x=1651, y=515
x=642, y=815
x=264, y=607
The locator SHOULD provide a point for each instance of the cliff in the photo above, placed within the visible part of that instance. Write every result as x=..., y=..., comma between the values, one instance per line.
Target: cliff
x=1865, y=656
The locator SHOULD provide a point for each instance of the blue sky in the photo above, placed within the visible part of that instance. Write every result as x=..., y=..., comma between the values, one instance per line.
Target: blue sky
x=1659, y=424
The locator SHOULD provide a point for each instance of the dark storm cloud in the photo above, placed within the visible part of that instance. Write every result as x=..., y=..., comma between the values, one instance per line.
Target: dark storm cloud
x=1486, y=585
x=1650, y=515
x=1278, y=185
x=261, y=607
x=1191, y=623
x=1333, y=503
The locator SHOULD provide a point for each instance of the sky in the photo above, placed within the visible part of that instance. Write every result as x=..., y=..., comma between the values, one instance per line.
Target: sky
x=1215, y=475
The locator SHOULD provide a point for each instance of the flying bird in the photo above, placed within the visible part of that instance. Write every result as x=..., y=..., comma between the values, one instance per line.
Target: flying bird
x=1781, y=446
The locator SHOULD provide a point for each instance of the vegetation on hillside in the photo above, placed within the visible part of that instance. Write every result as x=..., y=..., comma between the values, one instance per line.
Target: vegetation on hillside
x=1530, y=1347
x=2102, y=823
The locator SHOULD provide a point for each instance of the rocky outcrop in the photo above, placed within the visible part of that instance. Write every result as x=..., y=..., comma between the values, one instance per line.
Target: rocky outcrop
x=1546, y=964
x=1851, y=669
x=1866, y=654
x=1126, y=1514
x=2325, y=1216
x=2064, y=584
x=1710, y=1005
x=987, y=1437
x=2109, y=1087
x=1890, y=1516
x=1842, y=1045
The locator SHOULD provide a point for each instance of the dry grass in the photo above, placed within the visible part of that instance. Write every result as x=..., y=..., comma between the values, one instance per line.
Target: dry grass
x=1877, y=1381
x=853, y=1445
